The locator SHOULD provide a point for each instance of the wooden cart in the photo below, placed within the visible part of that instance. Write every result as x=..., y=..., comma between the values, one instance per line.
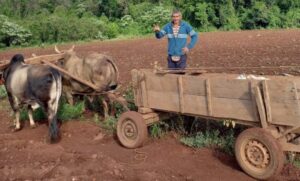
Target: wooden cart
x=271, y=107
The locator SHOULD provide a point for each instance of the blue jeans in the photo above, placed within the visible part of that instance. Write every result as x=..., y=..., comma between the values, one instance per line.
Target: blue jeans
x=181, y=64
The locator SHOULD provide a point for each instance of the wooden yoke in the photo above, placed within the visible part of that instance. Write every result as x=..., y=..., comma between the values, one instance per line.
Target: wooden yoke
x=35, y=60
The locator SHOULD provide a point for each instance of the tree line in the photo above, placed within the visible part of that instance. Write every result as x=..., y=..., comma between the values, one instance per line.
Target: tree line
x=29, y=22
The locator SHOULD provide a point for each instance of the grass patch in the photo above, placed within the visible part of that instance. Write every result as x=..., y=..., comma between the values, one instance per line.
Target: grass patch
x=3, y=92
x=110, y=123
x=296, y=163
x=212, y=139
x=65, y=112
x=158, y=130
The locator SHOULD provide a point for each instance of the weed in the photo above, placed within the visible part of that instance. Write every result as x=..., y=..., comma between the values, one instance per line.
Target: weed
x=110, y=123
x=67, y=111
x=211, y=139
x=157, y=130
x=3, y=92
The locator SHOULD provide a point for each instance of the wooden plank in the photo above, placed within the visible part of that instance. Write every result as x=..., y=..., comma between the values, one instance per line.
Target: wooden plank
x=209, y=97
x=144, y=94
x=136, y=87
x=267, y=101
x=150, y=115
x=35, y=60
x=167, y=101
x=194, y=85
x=145, y=110
x=233, y=109
x=163, y=83
x=72, y=76
x=158, y=71
x=252, y=86
x=281, y=90
x=286, y=113
x=196, y=105
x=180, y=94
x=230, y=88
x=260, y=107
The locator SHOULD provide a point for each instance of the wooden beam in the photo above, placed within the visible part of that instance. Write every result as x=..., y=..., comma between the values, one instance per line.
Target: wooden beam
x=208, y=97
x=71, y=75
x=267, y=101
x=35, y=60
x=253, y=100
x=144, y=94
x=180, y=94
x=260, y=107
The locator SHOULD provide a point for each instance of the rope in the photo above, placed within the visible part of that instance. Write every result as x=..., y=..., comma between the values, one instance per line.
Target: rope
x=139, y=156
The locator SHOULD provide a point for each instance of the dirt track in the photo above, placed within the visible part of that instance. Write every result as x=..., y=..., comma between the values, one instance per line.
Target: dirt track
x=25, y=155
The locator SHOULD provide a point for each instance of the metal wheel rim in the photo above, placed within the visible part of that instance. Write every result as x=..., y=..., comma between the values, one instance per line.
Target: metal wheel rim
x=256, y=155
x=129, y=130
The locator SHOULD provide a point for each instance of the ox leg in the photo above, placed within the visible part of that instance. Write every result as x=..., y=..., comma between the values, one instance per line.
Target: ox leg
x=53, y=126
x=14, y=102
x=119, y=99
x=105, y=108
x=31, y=120
x=17, y=121
x=69, y=97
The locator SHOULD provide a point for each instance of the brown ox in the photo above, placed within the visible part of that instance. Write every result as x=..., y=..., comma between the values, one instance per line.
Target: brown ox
x=95, y=68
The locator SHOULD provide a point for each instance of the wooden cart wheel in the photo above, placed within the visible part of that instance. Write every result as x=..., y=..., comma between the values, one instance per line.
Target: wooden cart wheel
x=132, y=129
x=259, y=154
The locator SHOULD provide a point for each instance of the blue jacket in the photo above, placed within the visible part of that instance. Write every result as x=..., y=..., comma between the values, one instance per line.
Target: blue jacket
x=176, y=44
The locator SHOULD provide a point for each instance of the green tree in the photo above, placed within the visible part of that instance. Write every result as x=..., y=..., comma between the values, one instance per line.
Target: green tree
x=201, y=16
x=12, y=33
x=227, y=16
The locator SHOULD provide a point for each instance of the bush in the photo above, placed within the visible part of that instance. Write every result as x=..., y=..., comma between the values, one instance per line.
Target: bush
x=292, y=18
x=158, y=15
x=111, y=30
x=227, y=17
x=256, y=17
x=12, y=33
x=65, y=28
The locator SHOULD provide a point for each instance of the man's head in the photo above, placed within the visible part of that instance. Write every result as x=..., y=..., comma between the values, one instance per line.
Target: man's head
x=176, y=16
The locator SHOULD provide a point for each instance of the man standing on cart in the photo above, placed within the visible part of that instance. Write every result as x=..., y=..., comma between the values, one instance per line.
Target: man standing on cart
x=177, y=32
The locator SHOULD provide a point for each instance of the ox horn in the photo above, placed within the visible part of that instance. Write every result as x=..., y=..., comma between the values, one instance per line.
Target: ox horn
x=72, y=48
x=56, y=49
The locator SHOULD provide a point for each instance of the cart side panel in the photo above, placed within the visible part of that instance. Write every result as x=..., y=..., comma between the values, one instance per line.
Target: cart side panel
x=234, y=108
x=229, y=98
x=162, y=92
x=226, y=98
x=232, y=98
x=284, y=102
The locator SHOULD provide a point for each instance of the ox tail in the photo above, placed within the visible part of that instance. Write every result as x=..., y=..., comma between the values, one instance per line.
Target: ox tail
x=55, y=94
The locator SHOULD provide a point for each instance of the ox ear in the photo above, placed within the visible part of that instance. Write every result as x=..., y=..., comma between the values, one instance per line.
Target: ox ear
x=56, y=49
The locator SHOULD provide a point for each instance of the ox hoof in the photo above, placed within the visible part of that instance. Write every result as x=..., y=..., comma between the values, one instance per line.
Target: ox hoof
x=16, y=129
x=33, y=126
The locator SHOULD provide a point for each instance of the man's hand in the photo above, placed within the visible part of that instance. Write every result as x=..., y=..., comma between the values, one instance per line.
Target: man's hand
x=185, y=50
x=156, y=28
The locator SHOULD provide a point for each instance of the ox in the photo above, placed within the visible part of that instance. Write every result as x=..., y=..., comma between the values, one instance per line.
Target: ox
x=96, y=68
x=33, y=86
